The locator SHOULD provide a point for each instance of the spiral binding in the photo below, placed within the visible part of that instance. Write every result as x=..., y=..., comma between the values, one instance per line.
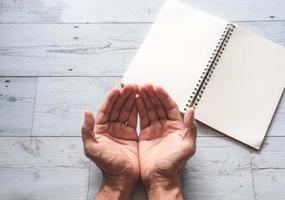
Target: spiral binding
x=210, y=67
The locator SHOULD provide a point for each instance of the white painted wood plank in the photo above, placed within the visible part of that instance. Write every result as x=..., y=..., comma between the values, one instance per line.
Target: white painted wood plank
x=68, y=50
x=220, y=169
x=43, y=168
x=85, y=49
x=269, y=169
x=210, y=174
x=269, y=184
x=61, y=102
x=42, y=152
x=16, y=105
x=43, y=184
x=272, y=155
x=57, y=11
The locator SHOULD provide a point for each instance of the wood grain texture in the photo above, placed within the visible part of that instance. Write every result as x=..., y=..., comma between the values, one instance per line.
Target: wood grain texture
x=68, y=50
x=85, y=49
x=43, y=168
x=61, y=102
x=220, y=169
x=210, y=174
x=268, y=167
x=63, y=11
x=56, y=168
x=70, y=38
x=17, y=97
x=43, y=184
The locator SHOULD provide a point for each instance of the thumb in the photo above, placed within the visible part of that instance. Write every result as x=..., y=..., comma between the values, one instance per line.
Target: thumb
x=88, y=125
x=189, y=120
x=89, y=120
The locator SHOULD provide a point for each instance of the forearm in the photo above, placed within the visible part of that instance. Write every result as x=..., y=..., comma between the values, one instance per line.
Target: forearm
x=165, y=190
x=115, y=188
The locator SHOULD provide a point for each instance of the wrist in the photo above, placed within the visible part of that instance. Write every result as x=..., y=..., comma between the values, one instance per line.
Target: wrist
x=116, y=188
x=165, y=189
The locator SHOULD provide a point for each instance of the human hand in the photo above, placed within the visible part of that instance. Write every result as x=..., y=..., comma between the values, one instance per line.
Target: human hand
x=166, y=142
x=110, y=140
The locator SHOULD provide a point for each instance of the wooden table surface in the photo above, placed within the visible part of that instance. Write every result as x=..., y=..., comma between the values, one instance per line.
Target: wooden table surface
x=58, y=57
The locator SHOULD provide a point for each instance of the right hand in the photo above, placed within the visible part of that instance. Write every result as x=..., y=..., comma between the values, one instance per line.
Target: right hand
x=110, y=141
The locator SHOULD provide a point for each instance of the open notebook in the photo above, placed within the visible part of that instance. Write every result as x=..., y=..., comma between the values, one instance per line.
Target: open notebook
x=232, y=77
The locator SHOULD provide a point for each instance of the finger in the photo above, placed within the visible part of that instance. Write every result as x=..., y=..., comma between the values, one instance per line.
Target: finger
x=127, y=106
x=152, y=115
x=104, y=111
x=133, y=117
x=168, y=103
x=156, y=102
x=88, y=127
x=115, y=110
x=144, y=120
x=189, y=122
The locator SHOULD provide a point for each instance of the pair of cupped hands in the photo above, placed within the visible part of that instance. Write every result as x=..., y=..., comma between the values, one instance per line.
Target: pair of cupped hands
x=157, y=154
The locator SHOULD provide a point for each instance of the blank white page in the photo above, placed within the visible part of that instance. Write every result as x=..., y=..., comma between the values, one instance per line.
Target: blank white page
x=242, y=95
x=176, y=50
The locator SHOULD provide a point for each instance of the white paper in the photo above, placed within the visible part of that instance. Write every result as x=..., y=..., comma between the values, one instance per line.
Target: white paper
x=245, y=88
x=176, y=50
x=242, y=95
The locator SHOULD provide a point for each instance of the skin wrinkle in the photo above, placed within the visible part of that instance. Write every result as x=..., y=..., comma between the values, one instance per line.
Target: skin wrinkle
x=157, y=155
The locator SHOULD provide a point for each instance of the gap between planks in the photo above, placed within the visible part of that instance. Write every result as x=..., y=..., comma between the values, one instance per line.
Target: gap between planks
x=130, y=22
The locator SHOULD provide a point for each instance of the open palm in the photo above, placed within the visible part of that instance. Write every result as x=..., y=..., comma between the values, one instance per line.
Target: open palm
x=110, y=139
x=166, y=141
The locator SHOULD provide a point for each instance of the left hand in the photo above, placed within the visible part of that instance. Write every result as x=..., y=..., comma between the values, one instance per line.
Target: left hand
x=166, y=142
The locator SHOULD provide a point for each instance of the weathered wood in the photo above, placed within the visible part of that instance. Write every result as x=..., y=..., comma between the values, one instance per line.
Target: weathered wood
x=94, y=51
x=43, y=184
x=214, y=174
x=210, y=174
x=58, y=11
x=43, y=168
x=42, y=152
x=86, y=49
x=17, y=97
x=56, y=168
x=68, y=50
x=268, y=168
x=61, y=103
